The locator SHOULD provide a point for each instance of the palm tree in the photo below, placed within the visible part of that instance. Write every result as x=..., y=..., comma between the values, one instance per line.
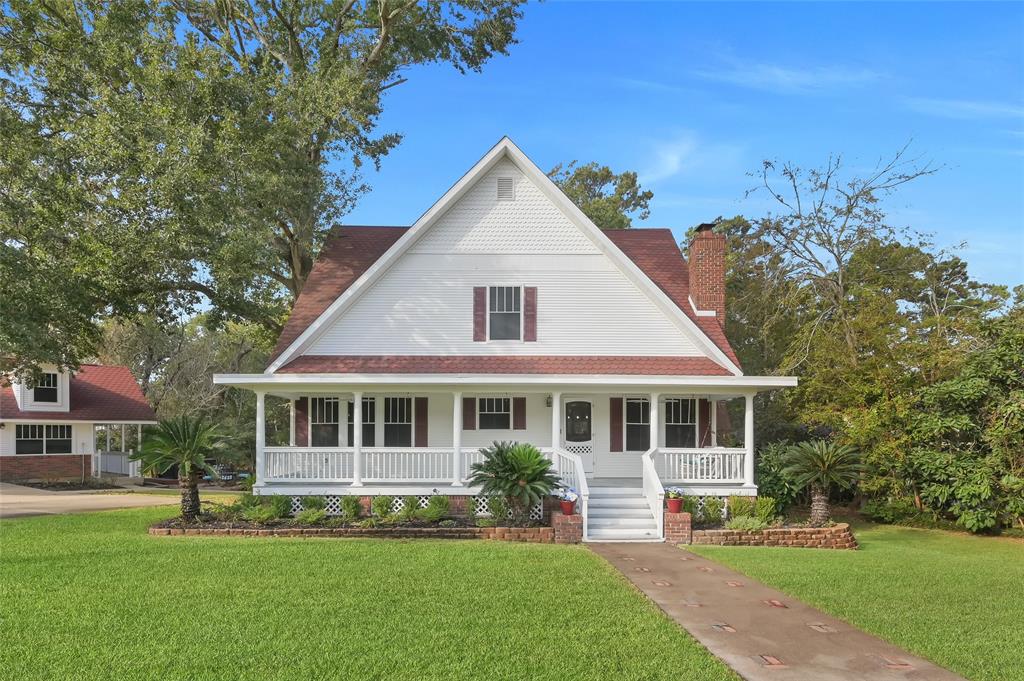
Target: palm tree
x=821, y=465
x=186, y=442
x=517, y=472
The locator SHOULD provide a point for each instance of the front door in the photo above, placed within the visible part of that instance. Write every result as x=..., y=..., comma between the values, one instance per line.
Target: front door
x=578, y=433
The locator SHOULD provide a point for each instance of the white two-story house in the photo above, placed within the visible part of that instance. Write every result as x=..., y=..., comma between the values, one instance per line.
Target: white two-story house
x=504, y=313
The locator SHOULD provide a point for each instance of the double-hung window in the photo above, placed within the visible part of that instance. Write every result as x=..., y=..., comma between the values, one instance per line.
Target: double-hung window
x=46, y=389
x=369, y=419
x=680, y=422
x=638, y=425
x=495, y=413
x=42, y=439
x=398, y=422
x=505, y=312
x=323, y=422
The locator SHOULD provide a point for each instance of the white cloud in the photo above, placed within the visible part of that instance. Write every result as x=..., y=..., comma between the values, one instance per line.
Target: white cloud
x=964, y=108
x=789, y=80
x=685, y=152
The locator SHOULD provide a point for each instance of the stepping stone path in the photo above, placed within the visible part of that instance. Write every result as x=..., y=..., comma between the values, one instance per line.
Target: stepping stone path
x=758, y=631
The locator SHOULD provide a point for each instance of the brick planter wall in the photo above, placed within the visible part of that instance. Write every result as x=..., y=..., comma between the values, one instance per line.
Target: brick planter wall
x=678, y=528
x=568, y=528
x=535, y=535
x=836, y=537
x=31, y=468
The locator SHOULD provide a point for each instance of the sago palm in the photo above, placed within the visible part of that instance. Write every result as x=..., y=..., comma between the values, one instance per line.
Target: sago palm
x=822, y=465
x=188, y=443
x=517, y=472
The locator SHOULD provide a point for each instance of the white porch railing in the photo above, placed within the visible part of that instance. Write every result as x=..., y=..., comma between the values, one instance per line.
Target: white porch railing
x=405, y=464
x=711, y=464
x=569, y=467
x=308, y=464
x=654, y=491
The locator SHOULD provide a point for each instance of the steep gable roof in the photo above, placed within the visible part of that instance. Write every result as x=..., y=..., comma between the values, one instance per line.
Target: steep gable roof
x=101, y=394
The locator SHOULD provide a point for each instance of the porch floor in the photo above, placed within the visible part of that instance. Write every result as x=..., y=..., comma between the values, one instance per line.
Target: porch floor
x=615, y=482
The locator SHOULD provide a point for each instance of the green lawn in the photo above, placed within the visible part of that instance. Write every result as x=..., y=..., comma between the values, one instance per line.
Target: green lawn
x=953, y=598
x=92, y=596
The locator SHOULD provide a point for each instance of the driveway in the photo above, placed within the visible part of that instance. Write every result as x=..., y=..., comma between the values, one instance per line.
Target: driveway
x=758, y=631
x=16, y=500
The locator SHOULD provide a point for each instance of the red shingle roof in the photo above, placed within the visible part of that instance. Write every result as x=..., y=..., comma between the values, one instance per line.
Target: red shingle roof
x=350, y=251
x=102, y=394
x=419, y=364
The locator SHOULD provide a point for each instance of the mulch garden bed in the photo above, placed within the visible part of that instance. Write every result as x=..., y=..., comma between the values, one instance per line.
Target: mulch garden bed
x=70, y=485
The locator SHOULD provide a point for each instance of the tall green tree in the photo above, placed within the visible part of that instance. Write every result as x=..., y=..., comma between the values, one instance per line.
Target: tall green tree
x=610, y=199
x=162, y=154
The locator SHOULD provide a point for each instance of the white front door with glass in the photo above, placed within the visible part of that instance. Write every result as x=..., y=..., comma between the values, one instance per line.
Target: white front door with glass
x=578, y=432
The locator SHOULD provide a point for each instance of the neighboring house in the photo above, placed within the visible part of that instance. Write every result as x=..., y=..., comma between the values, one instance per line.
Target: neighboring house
x=68, y=423
x=504, y=313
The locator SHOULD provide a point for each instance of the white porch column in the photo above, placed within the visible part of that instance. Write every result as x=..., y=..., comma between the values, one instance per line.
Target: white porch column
x=291, y=423
x=556, y=419
x=653, y=418
x=714, y=423
x=261, y=435
x=748, y=443
x=456, y=439
x=357, y=439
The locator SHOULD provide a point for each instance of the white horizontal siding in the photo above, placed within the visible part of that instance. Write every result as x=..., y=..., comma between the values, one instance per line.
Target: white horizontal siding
x=81, y=437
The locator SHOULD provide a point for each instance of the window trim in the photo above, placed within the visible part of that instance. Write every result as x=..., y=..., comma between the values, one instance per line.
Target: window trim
x=626, y=423
x=411, y=422
x=56, y=389
x=694, y=402
x=522, y=312
x=480, y=411
x=310, y=423
x=44, y=437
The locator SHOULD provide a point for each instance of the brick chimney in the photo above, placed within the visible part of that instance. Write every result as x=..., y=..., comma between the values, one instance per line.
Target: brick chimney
x=707, y=271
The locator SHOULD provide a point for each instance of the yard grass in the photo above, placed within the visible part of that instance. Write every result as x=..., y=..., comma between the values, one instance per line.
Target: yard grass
x=92, y=596
x=952, y=598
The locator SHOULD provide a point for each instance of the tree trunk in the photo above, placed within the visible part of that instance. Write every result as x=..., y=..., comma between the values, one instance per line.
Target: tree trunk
x=819, y=506
x=189, y=497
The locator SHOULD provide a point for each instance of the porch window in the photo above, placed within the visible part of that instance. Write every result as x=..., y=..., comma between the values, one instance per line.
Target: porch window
x=638, y=425
x=40, y=439
x=495, y=413
x=369, y=419
x=323, y=422
x=680, y=422
x=505, y=312
x=46, y=389
x=398, y=422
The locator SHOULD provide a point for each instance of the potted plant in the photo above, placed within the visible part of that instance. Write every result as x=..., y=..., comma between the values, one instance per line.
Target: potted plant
x=674, y=499
x=567, y=499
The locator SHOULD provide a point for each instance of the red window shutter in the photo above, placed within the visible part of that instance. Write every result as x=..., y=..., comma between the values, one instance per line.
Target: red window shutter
x=469, y=413
x=615, y=422
x=302, y=422
x=704, y=416
x=518, y=413
x=479, y=313
x=419, y=415
x=530, y=314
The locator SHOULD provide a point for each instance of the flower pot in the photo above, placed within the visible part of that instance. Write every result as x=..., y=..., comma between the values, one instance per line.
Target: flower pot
x=568, y=507
x=675, y=505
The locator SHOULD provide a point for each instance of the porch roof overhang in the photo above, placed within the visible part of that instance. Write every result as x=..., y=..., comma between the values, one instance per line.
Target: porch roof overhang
x=322, y=383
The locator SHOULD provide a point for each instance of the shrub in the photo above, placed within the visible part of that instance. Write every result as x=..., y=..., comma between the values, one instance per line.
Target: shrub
x=821, y=466
x=410, y=505
x=263, y=513
x=314, y=503
x=712, y=513
x=437, y=508
x=447, y=523
x=381, y=506
x=690, y=505
x=486, y=522
x=770, y=480
x=247, y=500
x=498, y=509
x=310, y=516
x=516, y=471
x=741, y=506
x=281, y=505
x=745, y=522
x=471, y=508
x=766, y=510
x=351, y=509
x=891, y=511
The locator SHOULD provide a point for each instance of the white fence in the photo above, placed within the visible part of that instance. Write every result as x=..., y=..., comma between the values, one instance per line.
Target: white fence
x=116, y=463
x=715, y=464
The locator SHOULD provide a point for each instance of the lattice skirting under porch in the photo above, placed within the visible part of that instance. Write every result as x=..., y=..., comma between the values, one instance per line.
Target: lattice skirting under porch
x=333, y=505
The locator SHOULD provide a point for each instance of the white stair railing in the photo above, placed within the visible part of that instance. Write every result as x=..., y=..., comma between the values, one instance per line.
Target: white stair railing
x=654, y=492
x=569, y=467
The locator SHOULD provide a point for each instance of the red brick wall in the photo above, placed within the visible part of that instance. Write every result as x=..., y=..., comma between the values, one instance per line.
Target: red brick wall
x=835, y=537
x=29, y=468
x=707, y=271
x=568, y=528
x=677, y=528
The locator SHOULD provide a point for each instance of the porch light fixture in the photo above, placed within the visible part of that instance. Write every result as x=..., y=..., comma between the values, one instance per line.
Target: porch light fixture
x=548, y=402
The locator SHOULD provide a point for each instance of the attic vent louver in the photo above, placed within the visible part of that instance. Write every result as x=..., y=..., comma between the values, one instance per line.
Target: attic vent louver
x=506, y=189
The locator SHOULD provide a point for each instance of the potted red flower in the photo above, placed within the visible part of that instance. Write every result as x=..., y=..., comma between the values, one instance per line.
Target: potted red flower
x=674, y=499
x=567, y=499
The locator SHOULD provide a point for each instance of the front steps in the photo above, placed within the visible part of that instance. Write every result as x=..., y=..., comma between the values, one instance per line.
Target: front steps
x=620, y=514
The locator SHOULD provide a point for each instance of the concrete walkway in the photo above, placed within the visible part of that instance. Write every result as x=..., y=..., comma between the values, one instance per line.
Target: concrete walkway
x=758, y=631
x=16, y=500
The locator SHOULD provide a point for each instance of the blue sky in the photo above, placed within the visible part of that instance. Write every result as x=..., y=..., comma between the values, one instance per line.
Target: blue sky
x=694, y=96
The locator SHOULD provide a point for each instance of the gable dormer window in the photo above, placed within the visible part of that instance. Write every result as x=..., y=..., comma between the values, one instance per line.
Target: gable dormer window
x=46, y=389
x=505, y=313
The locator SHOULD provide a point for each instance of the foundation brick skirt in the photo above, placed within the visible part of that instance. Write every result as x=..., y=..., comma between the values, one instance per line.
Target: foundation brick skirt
x=33, y=468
